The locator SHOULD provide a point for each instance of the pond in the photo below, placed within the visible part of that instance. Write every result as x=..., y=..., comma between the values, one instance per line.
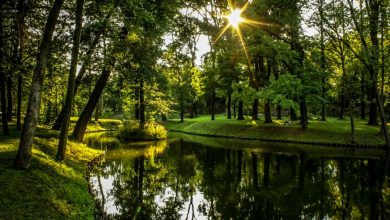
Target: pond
x=190, y=177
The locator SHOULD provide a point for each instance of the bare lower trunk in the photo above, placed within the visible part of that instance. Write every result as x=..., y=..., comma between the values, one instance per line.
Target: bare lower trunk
x=20, y=30
x=9, y=98
x=229, y=105
x=267, y=112
x=136, y=105
x=303, y=109
x=342, y=105
x=213, y=105
x=142, y=119
x=62, y=142
x=2, y=78
x=255, y=109
x=373, y=114
x=279, y=110
x=23, y=156
x=293, y=115
x=19, y=107
x=352, y=129
x=181, y=112
x=240, y=115
x=3, y=105
x=82, y=122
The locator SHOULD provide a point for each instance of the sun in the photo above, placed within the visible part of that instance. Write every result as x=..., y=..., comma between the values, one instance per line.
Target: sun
x=235, y=18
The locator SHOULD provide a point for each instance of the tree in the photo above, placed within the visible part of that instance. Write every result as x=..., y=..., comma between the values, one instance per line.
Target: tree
x=23, y=156
x=61, y=153
x=2, y=77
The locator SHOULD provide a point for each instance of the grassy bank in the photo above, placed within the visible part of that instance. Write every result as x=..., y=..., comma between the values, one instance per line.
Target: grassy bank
x=48, y=189
x=330, y=131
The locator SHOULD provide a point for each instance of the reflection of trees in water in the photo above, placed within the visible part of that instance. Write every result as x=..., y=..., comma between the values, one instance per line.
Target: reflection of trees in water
x=243, y=185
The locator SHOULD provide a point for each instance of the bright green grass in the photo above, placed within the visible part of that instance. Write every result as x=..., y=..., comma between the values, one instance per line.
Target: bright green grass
x=48, y=189
x=331, y=131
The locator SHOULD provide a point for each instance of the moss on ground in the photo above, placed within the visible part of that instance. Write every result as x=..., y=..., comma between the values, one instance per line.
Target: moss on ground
x=48, y=189
x=330, y=131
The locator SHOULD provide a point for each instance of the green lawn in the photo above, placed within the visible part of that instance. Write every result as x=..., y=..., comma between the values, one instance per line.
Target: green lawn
x=330, y=131
x=48, y=189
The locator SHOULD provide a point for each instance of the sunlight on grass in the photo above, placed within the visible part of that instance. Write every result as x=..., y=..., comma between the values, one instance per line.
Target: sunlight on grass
x=331, y=131
x=60, y=188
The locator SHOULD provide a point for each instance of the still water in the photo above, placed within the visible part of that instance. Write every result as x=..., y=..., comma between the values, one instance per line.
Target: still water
x=191, y=177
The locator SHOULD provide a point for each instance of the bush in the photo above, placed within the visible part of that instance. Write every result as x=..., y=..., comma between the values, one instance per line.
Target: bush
x=151, y=131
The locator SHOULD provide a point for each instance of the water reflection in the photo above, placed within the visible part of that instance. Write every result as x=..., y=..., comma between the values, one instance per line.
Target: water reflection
x=187, y=180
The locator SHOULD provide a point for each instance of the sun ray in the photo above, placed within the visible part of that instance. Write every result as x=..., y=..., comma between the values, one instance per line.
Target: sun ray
x=245, y=6
x=221, y=33
x=239, y=33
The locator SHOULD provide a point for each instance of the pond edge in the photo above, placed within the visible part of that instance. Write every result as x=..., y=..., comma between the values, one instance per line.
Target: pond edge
x=323, y=144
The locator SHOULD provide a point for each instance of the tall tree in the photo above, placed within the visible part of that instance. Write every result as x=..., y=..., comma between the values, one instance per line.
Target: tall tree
x=323, y=60
x=2, y=76
x=82, y=122
x=20, y=23
x=23, y=156
x=61, y=153
x=85, y=64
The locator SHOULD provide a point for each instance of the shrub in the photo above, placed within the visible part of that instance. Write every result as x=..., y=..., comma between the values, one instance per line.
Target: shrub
x=151, y=131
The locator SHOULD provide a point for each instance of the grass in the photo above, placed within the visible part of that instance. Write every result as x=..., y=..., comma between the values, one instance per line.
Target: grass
x=48, y=189
x=330, y=131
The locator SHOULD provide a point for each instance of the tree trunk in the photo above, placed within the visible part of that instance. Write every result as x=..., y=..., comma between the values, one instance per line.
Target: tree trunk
x=303, y=109
x=9, y=98
x=2, y=78
x=293, y=115
x=362, y=98
x=323, y=61
x=267, y=112
x=97, y=112
x=373, y=115
x=19, y=107
x=79, y=77
x=213, y=105
x=342, y=105
x=62, y=142
x=229, y=105
x=240, y=115
x=142, y=119
x=352, y=129
x=20, y=30
x=82, y=122
x=279, y=110
x=181, y=112
x=255, y=109
x=3, y=105
x=23, y=156
x=234, y=109
x=136, y=105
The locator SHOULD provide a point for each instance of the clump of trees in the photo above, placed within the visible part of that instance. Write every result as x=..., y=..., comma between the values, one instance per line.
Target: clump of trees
x=139, y=60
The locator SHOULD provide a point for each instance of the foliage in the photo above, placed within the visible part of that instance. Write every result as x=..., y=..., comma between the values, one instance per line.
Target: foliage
x=151, y=131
